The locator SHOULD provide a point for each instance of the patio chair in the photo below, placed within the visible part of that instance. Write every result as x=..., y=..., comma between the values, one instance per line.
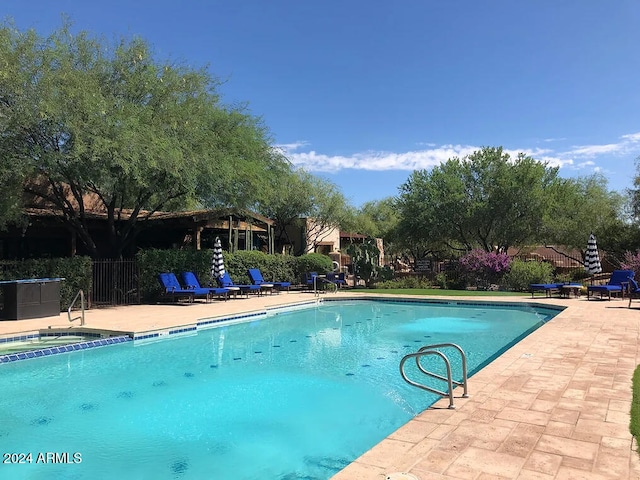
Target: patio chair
x=190, y=281
x=309, y=279
x=633, y=290
x=255, y=275
x=336, y=278
x=617, y=284
x=173, y=289
x=547, y=288
x=226, y=282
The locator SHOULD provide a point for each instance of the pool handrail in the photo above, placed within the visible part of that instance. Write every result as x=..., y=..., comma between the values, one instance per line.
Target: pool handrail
x=429, y=350
x=316, y=292
x=81, y=317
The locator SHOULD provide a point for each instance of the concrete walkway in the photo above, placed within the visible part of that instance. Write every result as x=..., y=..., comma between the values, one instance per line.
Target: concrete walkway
x=554, y=406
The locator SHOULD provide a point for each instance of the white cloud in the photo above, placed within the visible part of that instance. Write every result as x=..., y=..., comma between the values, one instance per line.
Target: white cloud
x=372, y=160
x=632, y=137
x=577, y=157
x=288, y=148
x=593, y=150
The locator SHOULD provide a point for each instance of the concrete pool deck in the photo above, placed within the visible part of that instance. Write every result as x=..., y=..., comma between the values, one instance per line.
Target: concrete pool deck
x=554, y=406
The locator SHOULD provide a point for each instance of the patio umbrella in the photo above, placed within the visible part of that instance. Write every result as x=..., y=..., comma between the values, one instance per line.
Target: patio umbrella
x=217, y=262
x=592, y=259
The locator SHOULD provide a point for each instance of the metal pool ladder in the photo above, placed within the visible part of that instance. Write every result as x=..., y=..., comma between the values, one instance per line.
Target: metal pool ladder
x=81, y=317
x=430, y=350
x=316, y=292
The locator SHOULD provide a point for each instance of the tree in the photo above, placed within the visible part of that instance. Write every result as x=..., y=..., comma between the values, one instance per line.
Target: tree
x=485, y=200
x=580, y=206
x=311, y=203
x=634, y=194
x=286, y=200
x=107, y=128
x=377, y=218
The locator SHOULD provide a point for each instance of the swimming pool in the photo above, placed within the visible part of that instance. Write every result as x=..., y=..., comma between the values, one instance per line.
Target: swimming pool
x=294, y=394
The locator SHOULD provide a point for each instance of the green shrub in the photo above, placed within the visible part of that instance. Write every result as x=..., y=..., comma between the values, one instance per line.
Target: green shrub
x=277, y=268
x=283, y=268
x=76, y=271
x=312, y=262
x=455, y=281
x=441, y=280
x=523, y=273
x=405, y=282
x=154, y=261
x=634, y=424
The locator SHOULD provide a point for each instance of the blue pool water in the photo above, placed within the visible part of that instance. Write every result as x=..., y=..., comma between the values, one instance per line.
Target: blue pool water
x=293, y=395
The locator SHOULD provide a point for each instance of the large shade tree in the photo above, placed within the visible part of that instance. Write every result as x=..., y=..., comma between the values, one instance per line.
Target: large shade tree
x=309, y=203
x=96, y=126
x=584, y=205
x=485, y=200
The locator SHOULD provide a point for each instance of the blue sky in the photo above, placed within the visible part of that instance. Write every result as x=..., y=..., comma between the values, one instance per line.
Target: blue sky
x=365, y=91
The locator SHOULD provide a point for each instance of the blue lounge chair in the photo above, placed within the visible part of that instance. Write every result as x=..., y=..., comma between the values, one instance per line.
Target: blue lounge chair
x=255, y=275
x=337, y=278
x=633, y=290
x=173, y=289
x=226, y=282
x=547, y=288
x=617, y=284
x=190, y=281
x=309, y=279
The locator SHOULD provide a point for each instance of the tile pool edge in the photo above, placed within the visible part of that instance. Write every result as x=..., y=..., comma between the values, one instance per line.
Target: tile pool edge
x=54, y=350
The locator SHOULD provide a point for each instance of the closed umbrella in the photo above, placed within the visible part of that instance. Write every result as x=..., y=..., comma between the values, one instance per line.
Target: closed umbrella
x=217, y=262
x=592, y=259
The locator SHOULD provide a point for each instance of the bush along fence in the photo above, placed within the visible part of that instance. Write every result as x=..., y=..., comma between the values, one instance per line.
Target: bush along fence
x=108, y=282
x=284, y=268
x=76, y=271
x=489, y=270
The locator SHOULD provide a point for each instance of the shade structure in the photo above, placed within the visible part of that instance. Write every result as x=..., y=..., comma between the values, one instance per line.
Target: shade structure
x=591, y=258
x=217, y=261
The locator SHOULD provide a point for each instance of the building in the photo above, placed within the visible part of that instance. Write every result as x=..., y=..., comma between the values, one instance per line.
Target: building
x=42, y=232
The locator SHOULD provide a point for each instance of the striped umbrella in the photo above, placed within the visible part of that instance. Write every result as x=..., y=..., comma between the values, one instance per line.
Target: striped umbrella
x=217, y=262
x=591, y=258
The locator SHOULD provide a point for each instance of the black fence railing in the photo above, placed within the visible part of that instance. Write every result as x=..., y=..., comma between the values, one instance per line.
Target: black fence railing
x=115, y=282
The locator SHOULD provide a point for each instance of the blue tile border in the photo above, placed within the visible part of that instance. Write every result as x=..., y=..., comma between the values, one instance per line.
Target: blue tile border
x=98, y=342
x=183, y=330
x=203, y=323
x=20, y=338
x=474, y=303
x=71, y=334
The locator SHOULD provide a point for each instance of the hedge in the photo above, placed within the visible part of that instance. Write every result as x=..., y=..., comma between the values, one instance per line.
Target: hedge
x=76, y=271
x=282, y=268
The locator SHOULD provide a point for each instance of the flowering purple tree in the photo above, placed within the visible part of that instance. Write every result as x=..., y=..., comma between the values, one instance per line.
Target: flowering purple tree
x=483, y=267
x=631, y=261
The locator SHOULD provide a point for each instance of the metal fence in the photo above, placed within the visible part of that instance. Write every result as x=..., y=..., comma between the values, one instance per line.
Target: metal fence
x=115, y=282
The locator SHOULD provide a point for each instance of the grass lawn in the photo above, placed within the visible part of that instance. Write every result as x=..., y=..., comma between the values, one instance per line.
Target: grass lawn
x=634, y=425
x=438, y=291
